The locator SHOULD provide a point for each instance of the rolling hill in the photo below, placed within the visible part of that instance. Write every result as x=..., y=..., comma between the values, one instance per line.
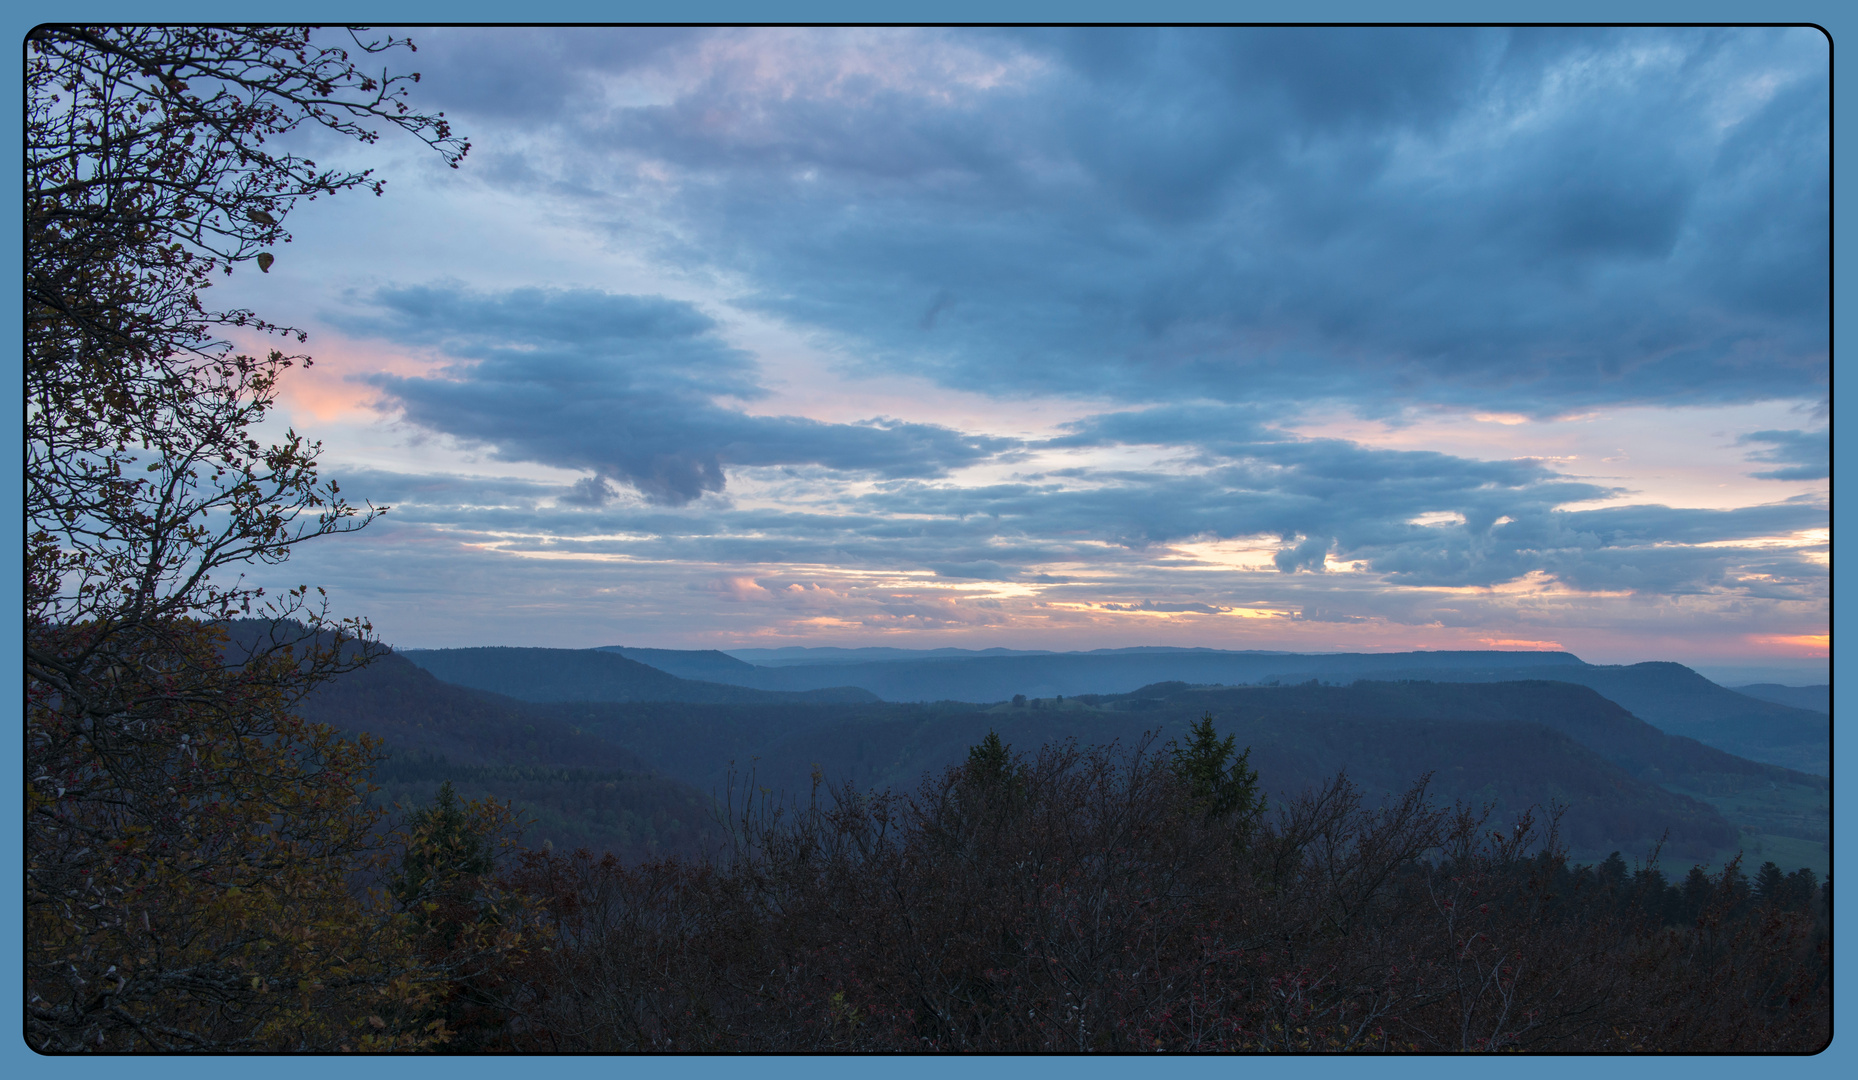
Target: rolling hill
x=1814, y=698
x=1512, y=745
x=1668, y=696
x=598, y=675
x=638, y=777
x=579, y=790
x=1677, y=700
x=701, y=664
x=984, y=678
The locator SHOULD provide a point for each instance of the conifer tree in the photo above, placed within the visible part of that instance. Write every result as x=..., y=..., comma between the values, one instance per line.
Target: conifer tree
x=990, y=762
x=1219, y=776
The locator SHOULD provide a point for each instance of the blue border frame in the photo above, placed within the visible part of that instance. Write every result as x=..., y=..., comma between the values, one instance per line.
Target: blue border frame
x=1840, y=21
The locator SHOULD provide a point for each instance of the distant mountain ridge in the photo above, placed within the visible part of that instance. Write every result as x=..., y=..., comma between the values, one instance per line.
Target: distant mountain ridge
x=798, y=655
x=982, y=678
x=637, y=777
x=707, y=665
x=1520, y=744
x=813, y=656
x=414, y=710
x=1816, y=698
x=1677, y=700
x=1669, y=696
x=599, y=675
x=576, y=788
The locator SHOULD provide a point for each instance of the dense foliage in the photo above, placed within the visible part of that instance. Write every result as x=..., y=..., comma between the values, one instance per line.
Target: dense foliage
x=636, y=816
x=192, y=845
x=152, y=162
x=1085, y=900
x=1513, y=744
x=573, y=789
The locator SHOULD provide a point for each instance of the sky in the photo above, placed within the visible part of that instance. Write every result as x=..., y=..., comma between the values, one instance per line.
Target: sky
x=1307, y=339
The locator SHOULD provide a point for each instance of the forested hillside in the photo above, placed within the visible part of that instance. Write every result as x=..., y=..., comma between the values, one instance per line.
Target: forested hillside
x=1814, y=698
x=894, y=918
x=595, y=675
x=1625, y=783
x=1669, y=696
x=702, y=664
x=1514, y=745
x=1110, y=671
x=577, y=789
x=1075, y=899
x=1677, y=700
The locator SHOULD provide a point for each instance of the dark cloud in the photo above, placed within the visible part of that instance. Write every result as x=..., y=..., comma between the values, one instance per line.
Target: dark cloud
x=561, y=338
x=1655, y=524
x=622, y=386
x=1532, y=220
x=991, y=536
x=1807, y=453
x=1215, y=230
x=589, y=491
x=1310, y=500
x=1356, y=506
x=1308, y=554
x=982, y=570
x=529, y=74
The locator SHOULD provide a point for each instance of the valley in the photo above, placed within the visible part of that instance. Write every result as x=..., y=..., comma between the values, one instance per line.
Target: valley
x=608, y=752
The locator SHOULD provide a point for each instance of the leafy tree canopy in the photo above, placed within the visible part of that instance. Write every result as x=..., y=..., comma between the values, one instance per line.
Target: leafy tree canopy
x=192, y=844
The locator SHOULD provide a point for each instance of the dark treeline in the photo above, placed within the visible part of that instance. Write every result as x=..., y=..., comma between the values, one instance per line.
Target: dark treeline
x=637, y=816
x=1625, y=784
x=1089, y=899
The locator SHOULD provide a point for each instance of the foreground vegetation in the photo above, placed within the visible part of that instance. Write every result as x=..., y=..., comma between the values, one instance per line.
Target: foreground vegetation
x=194, y=848
x=1090, y=900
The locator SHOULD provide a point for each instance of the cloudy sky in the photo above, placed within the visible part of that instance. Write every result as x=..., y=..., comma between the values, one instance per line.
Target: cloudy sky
x=1295, y=339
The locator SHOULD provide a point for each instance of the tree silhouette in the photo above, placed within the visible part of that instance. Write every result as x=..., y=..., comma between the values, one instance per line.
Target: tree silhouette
x=1218, y=776
x=191, y=844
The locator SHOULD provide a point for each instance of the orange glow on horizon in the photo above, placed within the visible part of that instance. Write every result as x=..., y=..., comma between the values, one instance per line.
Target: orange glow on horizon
x=1813, y=645
x=1523, y=643
x=1131, y=609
